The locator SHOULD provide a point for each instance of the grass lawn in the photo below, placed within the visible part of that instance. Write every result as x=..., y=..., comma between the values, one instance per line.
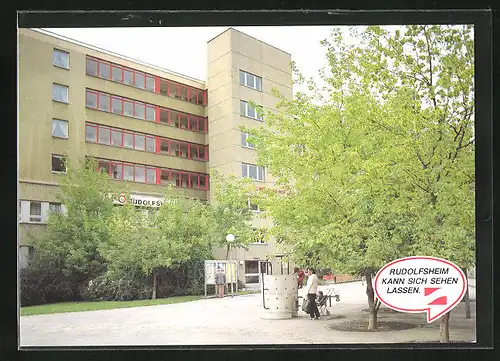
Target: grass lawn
x=103, y=305
x=64, y=307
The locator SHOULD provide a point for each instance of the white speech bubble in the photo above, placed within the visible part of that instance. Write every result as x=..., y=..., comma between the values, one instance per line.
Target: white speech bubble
x=421, y=284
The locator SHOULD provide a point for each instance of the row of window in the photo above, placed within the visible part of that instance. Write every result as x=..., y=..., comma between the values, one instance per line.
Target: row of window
x=36, y=211
x=124, y=75
x=122, y=138
x=247, y=170
x=132, y=108
x=154, y=175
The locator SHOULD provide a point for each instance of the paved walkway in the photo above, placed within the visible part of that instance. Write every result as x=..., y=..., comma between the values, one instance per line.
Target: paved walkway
x=226, y=321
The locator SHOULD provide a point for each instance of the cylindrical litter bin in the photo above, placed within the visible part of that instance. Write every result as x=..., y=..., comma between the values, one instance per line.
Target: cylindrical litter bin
x=280, y=297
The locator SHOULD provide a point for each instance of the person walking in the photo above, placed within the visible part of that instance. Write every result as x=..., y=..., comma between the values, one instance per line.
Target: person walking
x=311, y=289
x=220, y=281
x=300, y=276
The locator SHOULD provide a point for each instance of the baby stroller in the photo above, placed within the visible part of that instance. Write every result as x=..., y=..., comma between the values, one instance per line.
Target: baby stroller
x=323, y=301
x=333, y=293
x=322, y=305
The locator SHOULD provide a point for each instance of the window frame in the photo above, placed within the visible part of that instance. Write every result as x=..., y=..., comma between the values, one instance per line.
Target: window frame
x=59, y=156
x=35, y=218
x=244, y=143
x=194, y=179
x=67, y=93
x=245, y=83
x=54, y=50
x=259, y=170
x=247, y=105
x=121, y=69
x=67, y=128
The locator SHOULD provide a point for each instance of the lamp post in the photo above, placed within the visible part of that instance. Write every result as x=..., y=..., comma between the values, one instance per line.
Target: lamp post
x=230, y=239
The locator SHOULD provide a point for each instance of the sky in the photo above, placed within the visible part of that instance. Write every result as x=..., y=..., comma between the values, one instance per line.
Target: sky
x=184, y=50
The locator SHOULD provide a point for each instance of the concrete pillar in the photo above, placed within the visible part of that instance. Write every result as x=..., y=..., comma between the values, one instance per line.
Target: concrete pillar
x=280, y=295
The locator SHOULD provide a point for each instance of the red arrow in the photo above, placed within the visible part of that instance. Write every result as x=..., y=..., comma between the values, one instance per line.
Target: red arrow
x=440, y=301
x=429, y=290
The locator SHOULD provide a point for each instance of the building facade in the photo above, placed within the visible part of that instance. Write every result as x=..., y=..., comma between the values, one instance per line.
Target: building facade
x=146, y=126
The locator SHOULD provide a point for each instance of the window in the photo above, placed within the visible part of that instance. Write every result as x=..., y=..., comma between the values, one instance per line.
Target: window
x=116, y=105
x=60, y=93
x=128, y=172
x=91, y=99
x=128, y=140
x=35, y=211
x=60, y=59
x=258, y=236
x=104, y=70
x=253, y=172
x=116, y=170
x=117, y=74
x=91, y=67
x=128, y=77
x=140, y=175
x=150, y=113
x=244, y=143
x=60, y=128
x=116, y=137
x=55, y=207
x=91, y=133
x=104, y=102
x=151, y=144
x=253, y=206
x=250, y=80
x=150, y=83
x=139, y=110
x=151, y=175
x=128, y=108
x=104, y=166
x=58, y=163
x=248, y=110
x=140, y=80
x=104, y=135
x=139, y=142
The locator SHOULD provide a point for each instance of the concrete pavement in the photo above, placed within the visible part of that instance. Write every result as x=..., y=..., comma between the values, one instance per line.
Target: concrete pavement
x=226, y=321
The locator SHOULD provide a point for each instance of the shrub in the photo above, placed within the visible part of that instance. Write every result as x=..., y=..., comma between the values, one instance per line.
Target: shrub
x=118, y=286
x=131, y=284
x=40, y=283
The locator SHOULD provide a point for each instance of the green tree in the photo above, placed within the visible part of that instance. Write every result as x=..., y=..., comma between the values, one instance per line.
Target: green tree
x=230, y=211
x=70, y=244
x=379, y=163
x=179, y=231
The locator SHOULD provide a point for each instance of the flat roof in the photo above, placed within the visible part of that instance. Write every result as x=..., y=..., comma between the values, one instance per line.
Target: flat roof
x=241, y=32
x=121, y=56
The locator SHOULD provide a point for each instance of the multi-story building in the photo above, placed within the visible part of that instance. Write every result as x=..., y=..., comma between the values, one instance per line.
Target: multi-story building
x=145, y=125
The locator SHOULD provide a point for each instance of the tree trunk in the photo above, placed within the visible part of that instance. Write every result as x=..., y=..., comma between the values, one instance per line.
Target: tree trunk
x=373, y=304
x=444, y=328
x=466, y=296
x=467, y=303
x=155, y=285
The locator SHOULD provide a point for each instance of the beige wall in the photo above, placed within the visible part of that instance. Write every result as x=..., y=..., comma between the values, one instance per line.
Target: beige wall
x=227, y=54
x=37, y=109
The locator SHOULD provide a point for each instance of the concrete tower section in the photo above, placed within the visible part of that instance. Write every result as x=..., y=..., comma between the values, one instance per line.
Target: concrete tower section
x=241, y=69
